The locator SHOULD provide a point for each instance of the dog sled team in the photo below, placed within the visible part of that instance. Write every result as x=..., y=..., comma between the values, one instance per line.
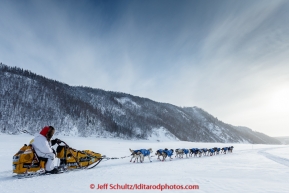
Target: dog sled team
x=163, y=154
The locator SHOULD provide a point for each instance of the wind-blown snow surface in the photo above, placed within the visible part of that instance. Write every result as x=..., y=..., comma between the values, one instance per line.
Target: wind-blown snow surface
x=250, y=168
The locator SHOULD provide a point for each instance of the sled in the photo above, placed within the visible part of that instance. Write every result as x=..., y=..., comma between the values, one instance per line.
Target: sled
x=26, y=163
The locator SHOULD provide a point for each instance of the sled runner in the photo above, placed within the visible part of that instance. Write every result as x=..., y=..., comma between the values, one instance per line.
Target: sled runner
x=26, y=163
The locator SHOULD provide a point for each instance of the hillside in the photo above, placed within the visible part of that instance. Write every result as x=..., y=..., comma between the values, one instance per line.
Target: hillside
x=30, y=101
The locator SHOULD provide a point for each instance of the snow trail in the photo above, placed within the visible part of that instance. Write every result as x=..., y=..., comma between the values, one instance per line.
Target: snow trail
x=248, y=169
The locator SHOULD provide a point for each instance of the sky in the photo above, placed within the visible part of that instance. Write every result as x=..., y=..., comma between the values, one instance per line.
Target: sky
x=230, y=58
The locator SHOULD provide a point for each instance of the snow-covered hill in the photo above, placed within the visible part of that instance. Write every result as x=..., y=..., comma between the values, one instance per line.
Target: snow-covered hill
x=29, y=102
x=250, y=168
x=284, y=140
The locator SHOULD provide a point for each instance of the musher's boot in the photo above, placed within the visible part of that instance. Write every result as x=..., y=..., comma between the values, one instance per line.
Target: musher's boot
x=54, y=171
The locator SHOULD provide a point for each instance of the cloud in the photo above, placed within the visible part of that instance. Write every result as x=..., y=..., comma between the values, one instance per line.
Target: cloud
x=229, y=58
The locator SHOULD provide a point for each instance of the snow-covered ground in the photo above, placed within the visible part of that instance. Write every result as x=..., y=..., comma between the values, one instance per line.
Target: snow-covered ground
x=250, y=168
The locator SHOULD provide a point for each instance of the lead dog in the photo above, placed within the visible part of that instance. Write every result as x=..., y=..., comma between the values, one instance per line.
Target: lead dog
x=230, y=149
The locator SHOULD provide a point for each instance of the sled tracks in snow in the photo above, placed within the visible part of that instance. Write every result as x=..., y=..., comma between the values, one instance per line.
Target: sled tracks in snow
x=274, y=158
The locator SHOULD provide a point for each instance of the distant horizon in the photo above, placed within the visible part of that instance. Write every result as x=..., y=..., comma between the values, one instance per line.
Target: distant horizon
x=282, y=136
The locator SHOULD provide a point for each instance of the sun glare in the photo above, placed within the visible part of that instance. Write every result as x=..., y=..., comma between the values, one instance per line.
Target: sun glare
x=279, y=101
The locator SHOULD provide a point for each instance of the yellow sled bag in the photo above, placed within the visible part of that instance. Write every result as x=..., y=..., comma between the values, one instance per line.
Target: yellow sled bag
x=73, y=158
x=26, y=161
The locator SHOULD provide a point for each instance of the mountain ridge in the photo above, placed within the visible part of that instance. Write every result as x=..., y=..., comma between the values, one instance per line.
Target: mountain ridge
x=30, y=101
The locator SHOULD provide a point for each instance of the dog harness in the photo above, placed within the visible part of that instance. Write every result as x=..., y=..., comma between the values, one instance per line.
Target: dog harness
x=145, y=152
x=185, y=151
x=160, y=151
x=169, y=152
